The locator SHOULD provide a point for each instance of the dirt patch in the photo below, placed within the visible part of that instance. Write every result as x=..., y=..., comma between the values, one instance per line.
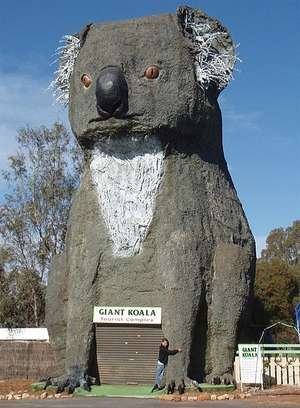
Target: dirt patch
x=15, y=385
x=280, y=400
x=21, y=386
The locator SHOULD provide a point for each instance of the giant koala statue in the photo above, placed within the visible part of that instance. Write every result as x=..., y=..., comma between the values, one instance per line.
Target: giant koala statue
x=156, y=220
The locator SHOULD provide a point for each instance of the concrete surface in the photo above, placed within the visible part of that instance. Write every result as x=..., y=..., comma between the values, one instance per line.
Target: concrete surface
x=270, y=402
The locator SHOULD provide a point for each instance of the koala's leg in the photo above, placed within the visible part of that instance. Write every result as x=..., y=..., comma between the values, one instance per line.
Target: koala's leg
x=80, y=331
x=179, y=319
x=56, y=306
x=182, y=282
x=83, y=257
x=80, y=338
x=233, y=267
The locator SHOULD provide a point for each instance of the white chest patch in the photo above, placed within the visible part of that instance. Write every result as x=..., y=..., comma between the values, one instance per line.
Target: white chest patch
x=127, y=174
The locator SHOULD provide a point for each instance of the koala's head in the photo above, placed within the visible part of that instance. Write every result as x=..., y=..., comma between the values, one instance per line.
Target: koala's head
x=144, y=76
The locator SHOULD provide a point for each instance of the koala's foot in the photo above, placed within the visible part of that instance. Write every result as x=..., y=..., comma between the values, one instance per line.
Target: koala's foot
x=171, y=387
x=76, y=377
x=226, y=379
x=181, y=387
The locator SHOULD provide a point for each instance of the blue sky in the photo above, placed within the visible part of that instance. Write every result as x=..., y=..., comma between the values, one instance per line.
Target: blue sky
x=261, y=107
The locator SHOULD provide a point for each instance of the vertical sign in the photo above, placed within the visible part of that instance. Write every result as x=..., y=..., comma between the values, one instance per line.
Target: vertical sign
x=297, y=313
x=251, y=364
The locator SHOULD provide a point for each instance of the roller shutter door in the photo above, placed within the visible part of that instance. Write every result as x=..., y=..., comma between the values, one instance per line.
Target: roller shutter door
x=127, y=354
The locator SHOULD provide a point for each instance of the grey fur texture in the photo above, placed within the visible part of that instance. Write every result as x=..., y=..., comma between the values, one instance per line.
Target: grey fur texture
x=197, y=259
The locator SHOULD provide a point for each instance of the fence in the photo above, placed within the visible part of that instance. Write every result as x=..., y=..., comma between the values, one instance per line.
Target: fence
x=26, y=359
x=281, y=364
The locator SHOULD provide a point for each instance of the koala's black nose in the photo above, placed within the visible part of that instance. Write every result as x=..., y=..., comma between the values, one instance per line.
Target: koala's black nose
x=111, y=93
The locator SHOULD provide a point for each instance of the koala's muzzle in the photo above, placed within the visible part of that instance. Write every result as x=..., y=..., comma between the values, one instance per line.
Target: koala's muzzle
x=111, y=93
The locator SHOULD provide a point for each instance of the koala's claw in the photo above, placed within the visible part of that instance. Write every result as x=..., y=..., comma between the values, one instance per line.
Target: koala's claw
x=225, y=379
x=76, y=377
x=47, y=383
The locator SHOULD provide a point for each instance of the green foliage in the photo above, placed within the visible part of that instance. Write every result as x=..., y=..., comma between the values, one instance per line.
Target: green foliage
x=41, y=179
x=22, y=302
x=278, y=280
x=284, y=244
x=276, y=287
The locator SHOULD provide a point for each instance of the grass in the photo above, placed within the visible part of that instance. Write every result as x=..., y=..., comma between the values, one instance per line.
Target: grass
x=137, y=391
x=40, y=386
x=141, y=391
x=105, y=390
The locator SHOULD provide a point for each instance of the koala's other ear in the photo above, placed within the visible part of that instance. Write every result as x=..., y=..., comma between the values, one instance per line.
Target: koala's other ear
x=211, y=47
x=67, y=55
x=83, y=34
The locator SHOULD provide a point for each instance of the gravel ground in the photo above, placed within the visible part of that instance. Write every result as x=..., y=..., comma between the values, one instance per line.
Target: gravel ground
x=280, y=396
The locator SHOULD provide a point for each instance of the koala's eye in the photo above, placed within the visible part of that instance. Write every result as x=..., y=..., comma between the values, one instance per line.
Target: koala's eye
x=86, y=80
x=152, y=72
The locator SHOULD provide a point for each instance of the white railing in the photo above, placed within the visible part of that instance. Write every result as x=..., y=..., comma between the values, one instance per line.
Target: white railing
x=281, y=364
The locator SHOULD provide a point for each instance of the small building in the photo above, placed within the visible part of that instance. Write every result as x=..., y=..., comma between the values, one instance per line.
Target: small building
x=127, y=343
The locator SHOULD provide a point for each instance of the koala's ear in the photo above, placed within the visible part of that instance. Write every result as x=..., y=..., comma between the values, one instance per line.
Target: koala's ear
x=67, y=54
x=211, y=47
x=83, y=34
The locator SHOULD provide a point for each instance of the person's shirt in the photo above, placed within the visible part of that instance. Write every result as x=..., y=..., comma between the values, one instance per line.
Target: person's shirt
x=164, y=354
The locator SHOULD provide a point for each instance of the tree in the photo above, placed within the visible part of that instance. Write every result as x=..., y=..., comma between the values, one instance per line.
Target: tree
x=41, y=179
x=284, y=244
x=278, y=279
x=8, y=313
x=22, y=299
x=275, y=287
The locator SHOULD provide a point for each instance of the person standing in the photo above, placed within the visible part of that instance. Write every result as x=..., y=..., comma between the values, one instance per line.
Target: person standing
x=162, y=362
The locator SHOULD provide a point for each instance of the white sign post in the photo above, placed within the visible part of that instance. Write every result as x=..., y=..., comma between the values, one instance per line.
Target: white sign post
x=127, y=315
x=251, y=364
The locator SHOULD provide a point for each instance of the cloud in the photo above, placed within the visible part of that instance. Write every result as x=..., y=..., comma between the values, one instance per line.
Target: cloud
x=24, y=100
x=7, y=141
x=260, y=242
x=238, y=120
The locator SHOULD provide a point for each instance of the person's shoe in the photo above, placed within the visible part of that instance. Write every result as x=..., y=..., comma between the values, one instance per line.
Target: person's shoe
x=154, y=388
x=161, y=387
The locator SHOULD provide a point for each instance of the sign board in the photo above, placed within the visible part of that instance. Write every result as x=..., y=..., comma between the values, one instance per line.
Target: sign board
x=251, y=364
x=24, y=334
x=127, y=315
x=297, y=312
